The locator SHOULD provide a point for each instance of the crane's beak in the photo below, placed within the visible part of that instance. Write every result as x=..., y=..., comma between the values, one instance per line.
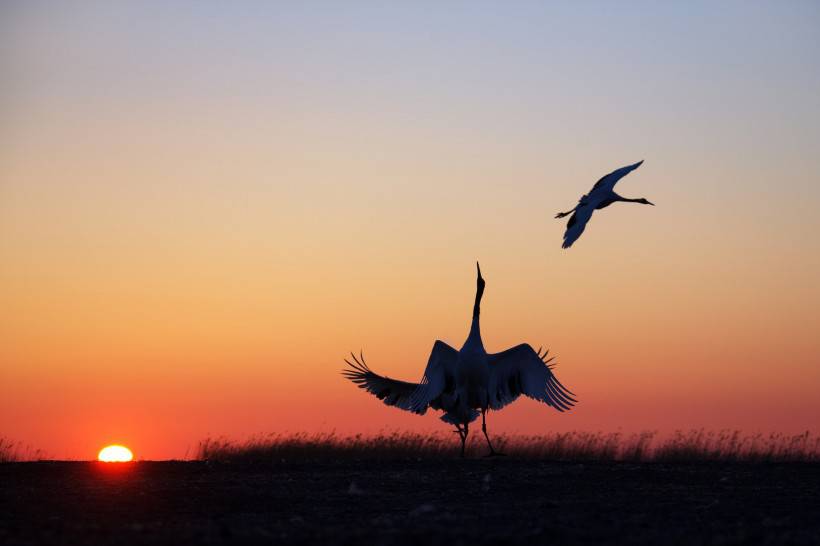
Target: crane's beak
x=650, y=202
x=478, y=267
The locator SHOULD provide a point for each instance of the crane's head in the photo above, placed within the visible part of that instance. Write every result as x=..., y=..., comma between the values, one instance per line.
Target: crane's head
x=644, y=201
x=479, y=291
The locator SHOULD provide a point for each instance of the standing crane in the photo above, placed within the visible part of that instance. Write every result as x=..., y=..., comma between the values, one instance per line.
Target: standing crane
x=468, y=382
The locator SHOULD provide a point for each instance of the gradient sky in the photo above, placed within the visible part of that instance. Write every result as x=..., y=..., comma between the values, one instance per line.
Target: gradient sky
x=204, y=206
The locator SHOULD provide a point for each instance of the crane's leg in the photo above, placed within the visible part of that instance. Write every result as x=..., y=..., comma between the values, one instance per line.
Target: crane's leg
x=462, y=435
x=492, y=452
x=464, y=438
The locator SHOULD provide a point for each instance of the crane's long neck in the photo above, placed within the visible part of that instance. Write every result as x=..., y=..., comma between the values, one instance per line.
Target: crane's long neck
x=475, y=331
x=629, y=200
x=479, y=292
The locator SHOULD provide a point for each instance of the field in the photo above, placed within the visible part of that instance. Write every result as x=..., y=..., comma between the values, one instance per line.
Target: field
x=409, y=502
x=303, y=490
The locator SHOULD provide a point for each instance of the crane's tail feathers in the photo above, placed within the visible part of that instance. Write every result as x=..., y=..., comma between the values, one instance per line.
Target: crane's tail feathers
x=453, y=420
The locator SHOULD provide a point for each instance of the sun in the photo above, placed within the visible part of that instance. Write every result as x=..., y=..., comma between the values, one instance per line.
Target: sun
x=115, y=454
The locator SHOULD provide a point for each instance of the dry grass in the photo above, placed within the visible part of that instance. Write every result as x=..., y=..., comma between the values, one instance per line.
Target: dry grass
x=691, y=446
x=734, y=446
x=328, y=446
x=11, y=452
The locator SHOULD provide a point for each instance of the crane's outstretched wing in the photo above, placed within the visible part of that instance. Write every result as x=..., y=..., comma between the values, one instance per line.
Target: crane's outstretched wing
x=576, y=224
x=607, y=183
x=521, y=370
x=390, y=391
x=439, y=378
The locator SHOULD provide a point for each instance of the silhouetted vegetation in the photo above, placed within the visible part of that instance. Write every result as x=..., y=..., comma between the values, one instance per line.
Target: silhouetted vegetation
x=691, y=446
x=732, y=446
x=14, y=451
x=6, y=451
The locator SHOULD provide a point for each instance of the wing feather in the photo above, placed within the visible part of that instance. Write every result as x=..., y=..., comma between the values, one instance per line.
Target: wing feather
x=608, y=182
x=439, y=378
x=390, y=391
x=522, y=370
x=576, y=224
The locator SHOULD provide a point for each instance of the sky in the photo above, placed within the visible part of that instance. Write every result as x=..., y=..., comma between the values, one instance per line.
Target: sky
x=205, y=206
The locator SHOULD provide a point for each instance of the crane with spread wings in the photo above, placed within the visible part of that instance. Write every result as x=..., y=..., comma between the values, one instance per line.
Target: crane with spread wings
x=600, y=196
x=468, y=382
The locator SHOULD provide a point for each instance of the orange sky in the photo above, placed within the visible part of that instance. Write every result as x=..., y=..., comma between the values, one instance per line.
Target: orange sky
x=191, y=240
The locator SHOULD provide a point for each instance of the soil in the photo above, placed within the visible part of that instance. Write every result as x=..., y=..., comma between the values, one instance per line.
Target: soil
x=417, y=502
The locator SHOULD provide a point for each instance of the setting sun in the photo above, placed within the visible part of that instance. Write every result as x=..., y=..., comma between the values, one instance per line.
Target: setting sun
x=115, y=454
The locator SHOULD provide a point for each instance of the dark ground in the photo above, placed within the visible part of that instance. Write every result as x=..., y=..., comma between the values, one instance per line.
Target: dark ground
x=426, y=502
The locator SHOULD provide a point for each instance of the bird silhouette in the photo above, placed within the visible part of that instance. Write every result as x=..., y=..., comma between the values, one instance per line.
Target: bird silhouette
x=600, y=196
x=467, y=383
